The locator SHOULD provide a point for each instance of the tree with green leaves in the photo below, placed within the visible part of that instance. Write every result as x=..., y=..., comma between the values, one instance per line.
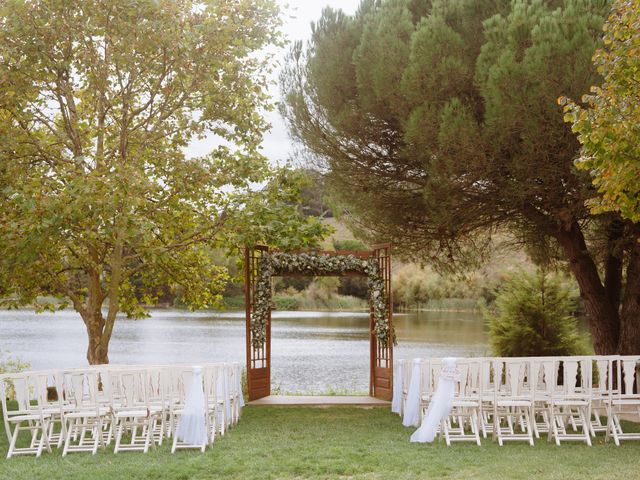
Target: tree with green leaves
x=438, y=124
x=532, y=315
x=100, y=206
x=609, y=127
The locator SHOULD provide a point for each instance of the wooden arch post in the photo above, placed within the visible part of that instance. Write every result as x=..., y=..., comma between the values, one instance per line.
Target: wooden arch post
x=259, y=356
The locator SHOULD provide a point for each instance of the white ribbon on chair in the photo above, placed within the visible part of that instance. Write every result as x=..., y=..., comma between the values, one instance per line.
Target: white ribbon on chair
x=412, y=409
x=192, y=425
x=440, y=405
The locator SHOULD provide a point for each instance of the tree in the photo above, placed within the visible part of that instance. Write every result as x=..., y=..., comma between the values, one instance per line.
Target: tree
x=532, y=316
x=438, y=123
x=99, y=204
x=609, y=127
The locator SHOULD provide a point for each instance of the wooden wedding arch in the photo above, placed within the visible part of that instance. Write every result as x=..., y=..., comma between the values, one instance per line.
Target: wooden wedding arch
x=259, y=345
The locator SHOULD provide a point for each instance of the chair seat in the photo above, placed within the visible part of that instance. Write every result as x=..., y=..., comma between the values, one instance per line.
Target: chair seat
x=131, y=413
x=466, y=403
x=86, y=413
x=22, y=418
x=626, y=401
x=570, y=402
x=513, y=403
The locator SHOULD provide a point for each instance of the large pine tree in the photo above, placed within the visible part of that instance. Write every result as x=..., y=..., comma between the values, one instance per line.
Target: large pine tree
x=438, y=124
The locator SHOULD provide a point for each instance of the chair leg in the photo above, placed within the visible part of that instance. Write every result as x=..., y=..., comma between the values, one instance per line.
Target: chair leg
x=14, y=438
x=585, y=426
x=40, y=444
x=45, y=429
x=474, y=420
x=175, y=441
x=615, y=424
x=528, y=416
x=553, y=430
x=118, y=435
x=445, y=424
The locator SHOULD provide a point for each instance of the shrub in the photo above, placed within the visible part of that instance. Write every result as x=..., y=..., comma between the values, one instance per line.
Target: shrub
x=286, y=302
x=532, y=316
x=350, y=245
x=9, y=364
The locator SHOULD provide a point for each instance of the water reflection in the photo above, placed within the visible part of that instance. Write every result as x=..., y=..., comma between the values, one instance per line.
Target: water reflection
x=311, y=351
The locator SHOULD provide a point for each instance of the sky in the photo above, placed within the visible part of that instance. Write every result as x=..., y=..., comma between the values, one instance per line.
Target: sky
x=277, y=146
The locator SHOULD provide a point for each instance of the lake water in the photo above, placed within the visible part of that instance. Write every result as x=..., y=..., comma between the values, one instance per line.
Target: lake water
x=312, y=352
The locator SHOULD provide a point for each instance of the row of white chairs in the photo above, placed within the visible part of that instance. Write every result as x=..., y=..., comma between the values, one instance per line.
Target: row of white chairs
x=132, y=406
x=520, y=398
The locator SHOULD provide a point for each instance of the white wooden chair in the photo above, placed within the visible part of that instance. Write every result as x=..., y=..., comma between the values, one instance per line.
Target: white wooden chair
x=82, y=413
x=27, y=416
x=235, y=391
x=487, y=394
x=427, y=387
x=601, y=392
x=513, y=400
x=463, y=423
x=570, y=400
x=182, y=380
x=131, y=410
x=396, y=404
x=159, y=397
x=215, y=403
x=625, y=399
x=406, y=380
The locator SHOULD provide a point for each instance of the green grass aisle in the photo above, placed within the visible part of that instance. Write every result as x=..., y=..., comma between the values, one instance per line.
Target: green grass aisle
x=335, y=442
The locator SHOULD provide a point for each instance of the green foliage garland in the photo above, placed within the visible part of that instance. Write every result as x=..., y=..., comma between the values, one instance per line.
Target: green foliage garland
x=278, y=263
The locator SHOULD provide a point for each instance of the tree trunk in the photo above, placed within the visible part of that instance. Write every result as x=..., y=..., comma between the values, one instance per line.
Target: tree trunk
x=629, y=343
x=97, y=351
x=604, y=320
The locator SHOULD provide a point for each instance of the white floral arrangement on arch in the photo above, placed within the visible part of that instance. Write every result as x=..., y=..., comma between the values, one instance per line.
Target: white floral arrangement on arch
x=278, y=263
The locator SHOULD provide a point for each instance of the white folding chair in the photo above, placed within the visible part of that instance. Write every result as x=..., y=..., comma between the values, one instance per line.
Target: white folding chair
x=427, y=386
x=158, y=391
x=185, y=378
x=487, y=394
x=396, y=404
x=513, y=400
x=625, y=399
x=83, y=416
x=132, y=412
x=570, y=399
x=27, y=416
x=462, y=424
x=600, y=391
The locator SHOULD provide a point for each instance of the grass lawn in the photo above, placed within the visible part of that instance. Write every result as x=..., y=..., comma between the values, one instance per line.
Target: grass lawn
x=334, y=442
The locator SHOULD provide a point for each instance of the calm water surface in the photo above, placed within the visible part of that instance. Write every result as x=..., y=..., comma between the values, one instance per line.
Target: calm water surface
x=312, y=352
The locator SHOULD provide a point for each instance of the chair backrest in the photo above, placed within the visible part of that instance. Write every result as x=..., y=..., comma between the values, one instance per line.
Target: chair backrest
x=406, y=375
x=577, y=377
x=628, y=370
x=4, y=381
x=601, y=369
x=129, y=388
x=427, y=387
x=180, y=380
x=468, y=382
x=213, y=388
x=512, y=378
x=80, y=389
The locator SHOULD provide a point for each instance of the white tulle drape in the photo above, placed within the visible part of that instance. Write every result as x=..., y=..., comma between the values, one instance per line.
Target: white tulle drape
x=411, y=416
x=192, y=425
x=440, y=404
